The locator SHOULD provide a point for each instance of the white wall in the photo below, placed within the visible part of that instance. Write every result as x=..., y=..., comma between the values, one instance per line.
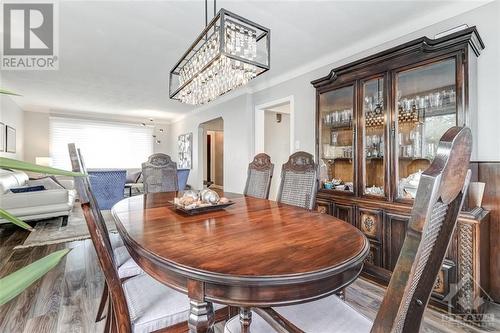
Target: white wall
x=487, y=20
x=12, y=115
x=276, y=145
x=36, y=135
x=238, y=145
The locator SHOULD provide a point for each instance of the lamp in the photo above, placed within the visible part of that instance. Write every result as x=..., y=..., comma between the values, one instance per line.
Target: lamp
x=44, y=161
x=229, y=52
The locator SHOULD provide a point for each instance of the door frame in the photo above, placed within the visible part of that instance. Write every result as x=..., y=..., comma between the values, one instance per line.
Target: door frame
x=259, y=131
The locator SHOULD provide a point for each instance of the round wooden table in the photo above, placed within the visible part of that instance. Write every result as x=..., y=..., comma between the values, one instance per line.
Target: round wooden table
x=255, y=253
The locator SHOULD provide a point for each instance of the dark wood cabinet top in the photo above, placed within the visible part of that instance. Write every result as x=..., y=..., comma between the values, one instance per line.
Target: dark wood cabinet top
x=252, y=238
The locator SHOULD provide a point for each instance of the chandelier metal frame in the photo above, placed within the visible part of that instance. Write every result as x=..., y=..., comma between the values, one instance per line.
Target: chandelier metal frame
x=218, y=25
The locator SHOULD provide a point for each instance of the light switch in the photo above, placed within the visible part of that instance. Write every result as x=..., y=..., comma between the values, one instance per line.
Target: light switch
x=297, y=144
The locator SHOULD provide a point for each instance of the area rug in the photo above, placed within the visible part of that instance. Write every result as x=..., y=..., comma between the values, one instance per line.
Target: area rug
x=50, y=231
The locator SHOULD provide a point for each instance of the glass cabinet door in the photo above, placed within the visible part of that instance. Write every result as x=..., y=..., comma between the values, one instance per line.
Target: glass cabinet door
x=426, y=107
x=373, y=137
x=336, y=139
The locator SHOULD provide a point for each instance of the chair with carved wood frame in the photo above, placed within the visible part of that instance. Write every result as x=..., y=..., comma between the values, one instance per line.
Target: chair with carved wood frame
x=159, y=174
x=259, y=175
x=126, y=266
x=438, y=202
x=299, y=181
x=139, y=303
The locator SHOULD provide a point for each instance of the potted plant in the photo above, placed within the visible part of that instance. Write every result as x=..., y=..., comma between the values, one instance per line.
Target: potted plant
x=16, y=282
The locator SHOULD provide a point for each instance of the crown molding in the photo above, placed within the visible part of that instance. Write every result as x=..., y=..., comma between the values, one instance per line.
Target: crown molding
x=393, y=37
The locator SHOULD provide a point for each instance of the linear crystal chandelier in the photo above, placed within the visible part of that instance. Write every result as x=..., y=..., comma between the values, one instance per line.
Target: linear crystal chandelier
x=229, y=52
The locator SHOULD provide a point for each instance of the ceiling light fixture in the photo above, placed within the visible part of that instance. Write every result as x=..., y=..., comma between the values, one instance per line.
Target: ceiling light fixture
x=153, y=125
x=229, y=52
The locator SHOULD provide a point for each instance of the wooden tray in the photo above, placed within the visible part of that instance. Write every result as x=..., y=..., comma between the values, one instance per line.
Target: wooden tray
x=201, y=210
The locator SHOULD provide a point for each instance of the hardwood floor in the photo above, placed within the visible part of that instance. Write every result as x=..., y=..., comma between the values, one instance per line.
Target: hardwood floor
x=66, y=299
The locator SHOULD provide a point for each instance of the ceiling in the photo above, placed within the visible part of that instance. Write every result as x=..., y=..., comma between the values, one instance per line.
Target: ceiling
x=115, y=56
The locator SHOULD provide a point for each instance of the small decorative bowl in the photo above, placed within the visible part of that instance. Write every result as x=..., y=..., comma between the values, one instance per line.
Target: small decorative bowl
x=328, y=186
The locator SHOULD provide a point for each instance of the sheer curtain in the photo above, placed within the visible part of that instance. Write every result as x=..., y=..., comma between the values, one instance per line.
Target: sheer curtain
x=103, y=144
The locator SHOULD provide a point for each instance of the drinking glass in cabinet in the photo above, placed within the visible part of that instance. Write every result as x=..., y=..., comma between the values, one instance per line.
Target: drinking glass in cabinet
x=336, y=137
x=426, y=108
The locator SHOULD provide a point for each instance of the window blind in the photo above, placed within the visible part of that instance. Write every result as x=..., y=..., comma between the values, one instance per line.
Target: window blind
x=103, y=144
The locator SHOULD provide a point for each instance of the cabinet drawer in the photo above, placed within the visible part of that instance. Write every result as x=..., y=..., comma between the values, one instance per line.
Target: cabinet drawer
x=324, y=207
x=374, y=255
x=370, y=222
x=443, y=280
x=344, y=212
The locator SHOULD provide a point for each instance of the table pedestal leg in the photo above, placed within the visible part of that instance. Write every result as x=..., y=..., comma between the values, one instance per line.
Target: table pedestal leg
x=201, y=317
x=245, y=319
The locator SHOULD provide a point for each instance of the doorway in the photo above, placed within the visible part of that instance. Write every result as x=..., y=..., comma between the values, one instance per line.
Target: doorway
x=274, y=136
x=213, y=153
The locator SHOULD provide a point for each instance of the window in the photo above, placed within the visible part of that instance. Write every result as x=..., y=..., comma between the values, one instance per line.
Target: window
x=103, y=144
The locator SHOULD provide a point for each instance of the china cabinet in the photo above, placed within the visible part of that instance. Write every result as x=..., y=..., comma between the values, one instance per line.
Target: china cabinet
x=379, y=120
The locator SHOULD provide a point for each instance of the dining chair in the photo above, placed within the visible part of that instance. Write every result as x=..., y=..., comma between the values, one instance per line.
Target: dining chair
x=182, y=178
x=125, y=265
x=259, y=175
x=160, y=174
x=439, y=199
x=299, y=181
x=138, y=304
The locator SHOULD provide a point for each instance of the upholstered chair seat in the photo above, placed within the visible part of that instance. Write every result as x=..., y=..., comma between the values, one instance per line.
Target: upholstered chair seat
x=126, y=266
x=329, y=314
x=116, y=242
x=153, y=306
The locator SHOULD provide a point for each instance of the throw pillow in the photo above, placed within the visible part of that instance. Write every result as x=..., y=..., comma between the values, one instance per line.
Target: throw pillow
x=133, y=176
x=25, y=189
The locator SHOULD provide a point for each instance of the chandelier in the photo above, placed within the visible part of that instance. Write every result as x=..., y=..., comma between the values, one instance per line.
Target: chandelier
x=229, y=52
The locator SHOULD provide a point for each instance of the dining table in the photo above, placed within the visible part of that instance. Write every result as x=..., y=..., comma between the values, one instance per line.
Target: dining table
x=255, y=253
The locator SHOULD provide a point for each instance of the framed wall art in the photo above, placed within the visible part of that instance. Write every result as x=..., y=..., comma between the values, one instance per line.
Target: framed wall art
x=2, y=137
x=185, y=149
x=10, y=139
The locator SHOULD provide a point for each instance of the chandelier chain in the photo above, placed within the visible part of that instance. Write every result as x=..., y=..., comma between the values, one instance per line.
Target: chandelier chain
x=206, y=11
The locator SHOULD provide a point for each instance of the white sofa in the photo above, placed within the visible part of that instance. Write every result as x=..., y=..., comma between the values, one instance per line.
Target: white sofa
x=29, y=206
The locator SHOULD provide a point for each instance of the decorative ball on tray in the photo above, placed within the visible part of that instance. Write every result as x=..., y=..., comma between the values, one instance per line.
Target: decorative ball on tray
x=209, y=196
x=205, y=200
